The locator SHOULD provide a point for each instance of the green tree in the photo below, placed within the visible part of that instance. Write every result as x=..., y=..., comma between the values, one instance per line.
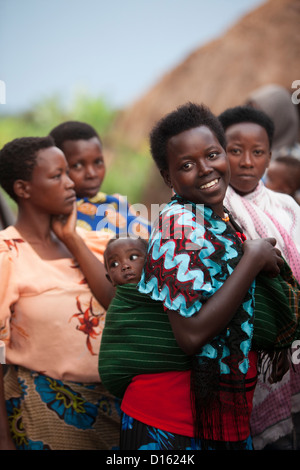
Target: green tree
x=127, y=169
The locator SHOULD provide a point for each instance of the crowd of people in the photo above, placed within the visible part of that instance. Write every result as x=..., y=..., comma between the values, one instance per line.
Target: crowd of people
x=119, y=335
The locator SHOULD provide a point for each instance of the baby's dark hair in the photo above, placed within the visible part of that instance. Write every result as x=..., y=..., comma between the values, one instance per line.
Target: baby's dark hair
x=288, y=160
x=18, y=159
x=184, y=118
x=72, y=130
x=142, y=241
x=293, y=164
x=240, y=114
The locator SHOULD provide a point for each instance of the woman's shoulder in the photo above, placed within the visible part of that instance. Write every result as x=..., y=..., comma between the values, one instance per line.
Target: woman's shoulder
x=8, y=237
x=284, y=200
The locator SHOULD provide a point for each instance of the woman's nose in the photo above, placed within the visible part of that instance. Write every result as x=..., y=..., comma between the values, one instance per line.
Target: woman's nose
x=246, y=160
x=69, y=182
x=204, y=168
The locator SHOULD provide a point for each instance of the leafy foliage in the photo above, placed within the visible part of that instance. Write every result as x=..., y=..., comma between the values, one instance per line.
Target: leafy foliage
x=126, y=169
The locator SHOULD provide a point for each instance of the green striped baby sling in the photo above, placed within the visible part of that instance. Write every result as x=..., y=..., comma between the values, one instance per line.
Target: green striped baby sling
x=138, y=338
x=276, y=311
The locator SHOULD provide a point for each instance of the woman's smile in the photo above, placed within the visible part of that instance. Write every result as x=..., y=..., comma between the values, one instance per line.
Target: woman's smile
x=211, y=184
x=198, y=168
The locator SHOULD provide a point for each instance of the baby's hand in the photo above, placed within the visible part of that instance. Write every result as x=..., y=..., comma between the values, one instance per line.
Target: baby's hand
x=264, y=252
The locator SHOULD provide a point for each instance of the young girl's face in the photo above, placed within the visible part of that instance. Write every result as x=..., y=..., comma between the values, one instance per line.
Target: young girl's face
x=249, y=155
x=124, y=261
x=198, y=168
x=86, y=163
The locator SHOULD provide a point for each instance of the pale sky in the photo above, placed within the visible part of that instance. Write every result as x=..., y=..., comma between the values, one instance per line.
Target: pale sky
x=112, y=48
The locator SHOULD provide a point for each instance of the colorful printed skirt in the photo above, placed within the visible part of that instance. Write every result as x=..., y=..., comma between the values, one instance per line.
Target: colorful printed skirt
x=47, y=414
x=139, y=436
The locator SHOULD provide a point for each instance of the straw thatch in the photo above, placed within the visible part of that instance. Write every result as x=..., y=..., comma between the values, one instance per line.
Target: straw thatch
x=263, y=47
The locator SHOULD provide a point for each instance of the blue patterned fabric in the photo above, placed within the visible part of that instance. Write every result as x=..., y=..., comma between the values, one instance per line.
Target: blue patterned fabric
x=111, y=213
x=138, y=436
x=191, y=254
x=48, y=414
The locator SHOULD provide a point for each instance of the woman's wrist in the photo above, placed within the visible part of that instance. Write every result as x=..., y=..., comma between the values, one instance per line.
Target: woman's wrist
x=73, y=241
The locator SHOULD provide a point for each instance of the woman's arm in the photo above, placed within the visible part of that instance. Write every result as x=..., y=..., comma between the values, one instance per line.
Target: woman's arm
x=92, y=268
x=194, y=332
x=6, y=442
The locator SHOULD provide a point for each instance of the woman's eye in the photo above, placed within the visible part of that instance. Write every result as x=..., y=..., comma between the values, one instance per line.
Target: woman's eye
x=234, y=151
x=212, y=154
x=258, y=152
x=186, y=166
x=76, y=166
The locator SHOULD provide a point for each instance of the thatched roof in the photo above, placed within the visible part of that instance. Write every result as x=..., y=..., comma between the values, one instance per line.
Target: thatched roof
x=263, y=47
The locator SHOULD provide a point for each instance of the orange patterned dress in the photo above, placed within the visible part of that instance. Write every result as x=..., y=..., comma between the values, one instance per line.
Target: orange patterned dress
x=51, y=325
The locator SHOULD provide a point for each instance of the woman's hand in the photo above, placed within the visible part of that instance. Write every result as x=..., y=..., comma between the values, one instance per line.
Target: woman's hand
x=268, y=257
x=64, y=227
x=194, y=332
x=92, y=268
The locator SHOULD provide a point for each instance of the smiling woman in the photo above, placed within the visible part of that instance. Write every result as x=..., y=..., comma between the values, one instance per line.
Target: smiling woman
x=53, y=300
x=198, y=169
x=200, y=273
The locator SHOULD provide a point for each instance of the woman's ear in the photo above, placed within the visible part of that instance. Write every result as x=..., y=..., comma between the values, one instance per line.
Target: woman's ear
x=166, y=177
x=21, y=189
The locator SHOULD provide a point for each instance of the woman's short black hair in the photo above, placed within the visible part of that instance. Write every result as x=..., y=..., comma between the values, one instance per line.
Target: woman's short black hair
x=184, y=118
x=240, y=114
x=72, y=130
x=18, y=159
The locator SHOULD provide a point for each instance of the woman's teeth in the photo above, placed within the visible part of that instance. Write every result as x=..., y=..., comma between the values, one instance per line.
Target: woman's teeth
x=209, y=185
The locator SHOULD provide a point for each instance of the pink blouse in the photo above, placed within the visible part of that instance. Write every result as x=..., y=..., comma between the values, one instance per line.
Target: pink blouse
x=49, y=320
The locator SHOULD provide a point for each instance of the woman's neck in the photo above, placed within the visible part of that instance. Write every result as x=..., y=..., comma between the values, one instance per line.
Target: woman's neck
x=34, y=227
x=36, y=230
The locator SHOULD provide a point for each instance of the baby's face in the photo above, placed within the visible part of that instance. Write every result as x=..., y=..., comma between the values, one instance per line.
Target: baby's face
x=125, y=259
x=278, y=178
x=249, y=155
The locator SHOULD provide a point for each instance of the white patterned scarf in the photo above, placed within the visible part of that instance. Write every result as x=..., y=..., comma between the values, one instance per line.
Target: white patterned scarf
x=265, y=213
